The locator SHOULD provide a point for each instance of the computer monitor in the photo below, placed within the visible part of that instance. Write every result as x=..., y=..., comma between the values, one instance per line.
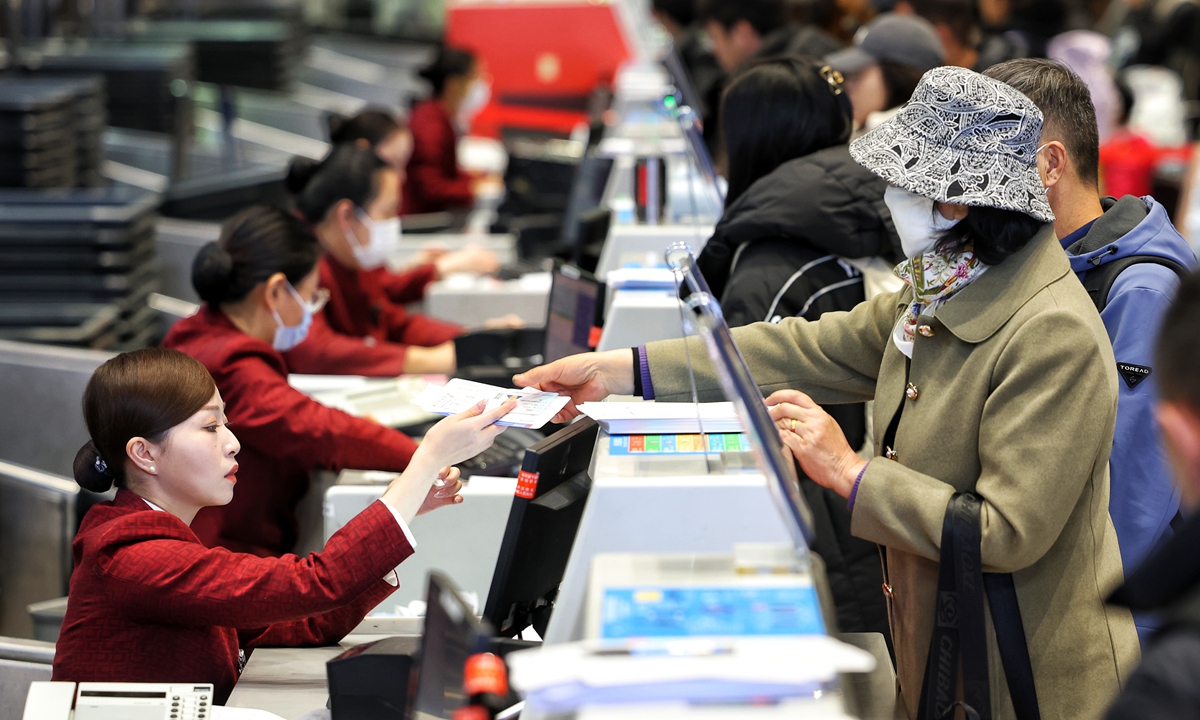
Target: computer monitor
x=452, y=634
x=575, y=313
x=587, y=190
x=593, y=232
x=746, y=396
x=681, y=78
x=739, y=386
x=551, y=495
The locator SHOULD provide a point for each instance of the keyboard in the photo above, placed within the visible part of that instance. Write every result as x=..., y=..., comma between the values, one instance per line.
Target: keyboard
x=503, y=458
x=385, y=401
x=520, y=268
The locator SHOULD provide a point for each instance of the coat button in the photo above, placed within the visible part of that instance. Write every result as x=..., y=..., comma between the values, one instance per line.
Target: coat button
x=911, y=392
x=925, y=331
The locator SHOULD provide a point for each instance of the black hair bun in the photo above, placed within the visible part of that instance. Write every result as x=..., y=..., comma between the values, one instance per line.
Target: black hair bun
x=301, y=171
x=337, y=126
x=91, y=470
x=212, y=273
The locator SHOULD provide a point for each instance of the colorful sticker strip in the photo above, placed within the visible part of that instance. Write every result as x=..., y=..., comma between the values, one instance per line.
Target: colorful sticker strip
x=677, y=444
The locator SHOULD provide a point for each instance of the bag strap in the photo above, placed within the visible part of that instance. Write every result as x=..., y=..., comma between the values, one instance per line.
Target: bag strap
x=968, y=566
x=958, y=621
x=1099, y=282
x=960, y=626
x=1010, y=638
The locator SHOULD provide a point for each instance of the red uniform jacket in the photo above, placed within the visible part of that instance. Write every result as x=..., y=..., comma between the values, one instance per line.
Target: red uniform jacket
x=285, y=435
x=435, y=182
x=369, y=304
x=149, y=603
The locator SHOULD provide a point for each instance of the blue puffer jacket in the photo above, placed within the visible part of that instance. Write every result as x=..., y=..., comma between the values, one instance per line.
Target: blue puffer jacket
x=1143, y=500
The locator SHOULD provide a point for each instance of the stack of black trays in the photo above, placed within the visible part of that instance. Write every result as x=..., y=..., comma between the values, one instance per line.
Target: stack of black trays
x=258, y=54
x=91, y=119
x=148, y=84
x=37, y=134
x=77, y=267
x=290, y=10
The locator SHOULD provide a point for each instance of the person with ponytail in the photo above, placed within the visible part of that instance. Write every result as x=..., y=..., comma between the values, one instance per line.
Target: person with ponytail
x=259, y=283
x=435, y=181
x=148, y=602
x=350, y=199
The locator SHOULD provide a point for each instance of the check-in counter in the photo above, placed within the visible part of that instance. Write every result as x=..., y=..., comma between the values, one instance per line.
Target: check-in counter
x=471, y=301
x=460, y=541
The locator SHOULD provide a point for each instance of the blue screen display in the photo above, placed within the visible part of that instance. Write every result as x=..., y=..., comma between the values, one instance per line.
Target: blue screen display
x=658, y=612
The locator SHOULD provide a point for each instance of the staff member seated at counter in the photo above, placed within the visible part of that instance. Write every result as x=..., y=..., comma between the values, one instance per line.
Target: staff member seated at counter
x=991, y=373
x=349, y=198
x=149, y=603
x=377, y=130
x=435, y=181
x=259, y=285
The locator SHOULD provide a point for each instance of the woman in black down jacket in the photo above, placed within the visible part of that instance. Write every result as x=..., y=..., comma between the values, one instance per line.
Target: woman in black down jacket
x=798, y=209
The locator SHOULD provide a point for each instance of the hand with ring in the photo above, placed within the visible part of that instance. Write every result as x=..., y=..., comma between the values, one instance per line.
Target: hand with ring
x=815, y=440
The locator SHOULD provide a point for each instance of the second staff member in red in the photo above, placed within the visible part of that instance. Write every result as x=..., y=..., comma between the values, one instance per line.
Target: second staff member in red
x=259, y=284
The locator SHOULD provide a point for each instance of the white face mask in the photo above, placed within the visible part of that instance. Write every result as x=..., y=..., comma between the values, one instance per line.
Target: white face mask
x=383, y=240
x=289, y=336
x=918, y=222
x=476, y=99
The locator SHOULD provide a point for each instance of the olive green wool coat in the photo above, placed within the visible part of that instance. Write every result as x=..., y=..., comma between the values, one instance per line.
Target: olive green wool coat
x=1014, y=398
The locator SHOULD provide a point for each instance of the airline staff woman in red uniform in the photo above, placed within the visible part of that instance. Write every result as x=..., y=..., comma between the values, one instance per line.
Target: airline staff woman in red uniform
x=376, y=129
x=350, y=199
x=149, y=602
x=259, y=284
x=435, y=181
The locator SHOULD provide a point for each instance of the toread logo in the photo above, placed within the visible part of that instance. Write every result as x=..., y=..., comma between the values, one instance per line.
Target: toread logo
x=1133, y=374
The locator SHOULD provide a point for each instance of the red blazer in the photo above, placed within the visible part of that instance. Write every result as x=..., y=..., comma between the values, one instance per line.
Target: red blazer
x=149, y=603
x=285, y=435
x=369, y=304
x=434, y=181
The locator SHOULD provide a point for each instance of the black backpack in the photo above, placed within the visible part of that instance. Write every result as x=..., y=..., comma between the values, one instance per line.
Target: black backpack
x=1099, y=281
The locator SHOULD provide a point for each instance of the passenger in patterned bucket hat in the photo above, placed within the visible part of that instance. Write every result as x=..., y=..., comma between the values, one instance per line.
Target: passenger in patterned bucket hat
x=992, y=375
x=964, y=139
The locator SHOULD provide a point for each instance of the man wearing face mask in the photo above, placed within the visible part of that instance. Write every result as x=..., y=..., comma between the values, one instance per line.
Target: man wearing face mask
x=260, y=286
x=435, y=182
x=1101, y=236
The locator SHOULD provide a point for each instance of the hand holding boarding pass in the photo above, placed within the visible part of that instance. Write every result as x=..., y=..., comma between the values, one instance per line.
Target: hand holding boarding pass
x=533, y=407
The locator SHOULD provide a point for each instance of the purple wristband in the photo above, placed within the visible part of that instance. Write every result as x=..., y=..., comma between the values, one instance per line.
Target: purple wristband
x=644, y=367
x=854, y=490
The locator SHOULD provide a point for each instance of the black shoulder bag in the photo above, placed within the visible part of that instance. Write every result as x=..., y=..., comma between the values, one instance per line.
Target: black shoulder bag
x=960, y=627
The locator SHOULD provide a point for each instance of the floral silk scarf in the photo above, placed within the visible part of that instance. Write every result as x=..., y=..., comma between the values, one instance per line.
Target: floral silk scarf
x=934, y=277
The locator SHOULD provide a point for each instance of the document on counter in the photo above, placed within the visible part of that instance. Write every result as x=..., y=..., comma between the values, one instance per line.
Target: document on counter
x=562, y=678
x=534, y=407
x=650, y=418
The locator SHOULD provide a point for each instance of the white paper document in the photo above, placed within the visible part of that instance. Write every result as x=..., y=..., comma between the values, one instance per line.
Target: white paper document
x=534, y=407
x=562, y=677
x=645, y=418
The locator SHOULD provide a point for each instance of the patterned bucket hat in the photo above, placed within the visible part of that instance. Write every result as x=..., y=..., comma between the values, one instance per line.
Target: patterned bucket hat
x=965, y=139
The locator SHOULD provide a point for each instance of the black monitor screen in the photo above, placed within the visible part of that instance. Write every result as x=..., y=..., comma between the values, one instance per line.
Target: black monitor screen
x=587, y=192
x=542, y=523
x=452, y=634
x=574, y=312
